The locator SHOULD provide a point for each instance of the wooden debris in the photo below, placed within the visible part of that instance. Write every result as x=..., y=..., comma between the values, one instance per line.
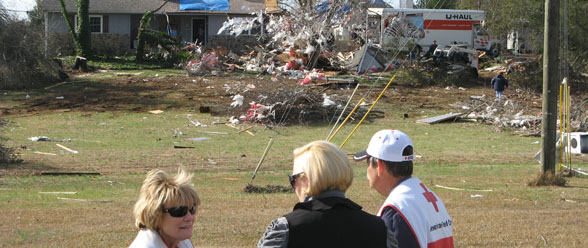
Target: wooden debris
x=46, y=153
x=183, y=147
x=244, y=130
x=67, y=149
x=439, y=118
x=209, y=132
x=70, y=173
x=250, y=133
x=156, y=112
x=64, y=193
x=55, y=85
x=84, y=200
x=450, y=188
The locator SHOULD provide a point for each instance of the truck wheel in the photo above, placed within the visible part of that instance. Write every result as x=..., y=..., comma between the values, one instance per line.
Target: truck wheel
x=495, y=51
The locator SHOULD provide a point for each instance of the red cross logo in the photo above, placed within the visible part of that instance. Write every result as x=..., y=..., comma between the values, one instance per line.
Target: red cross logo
x=430, y=197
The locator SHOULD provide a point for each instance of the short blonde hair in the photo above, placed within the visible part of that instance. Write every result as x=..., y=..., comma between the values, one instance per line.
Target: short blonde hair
x=159, y=189
x=325, y=165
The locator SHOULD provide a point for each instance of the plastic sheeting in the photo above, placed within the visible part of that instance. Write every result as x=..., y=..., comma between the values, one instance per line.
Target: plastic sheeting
x=216, y=5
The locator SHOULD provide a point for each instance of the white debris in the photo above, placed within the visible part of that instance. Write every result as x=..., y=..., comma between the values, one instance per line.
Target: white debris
x=237, y=101
x=327, y=101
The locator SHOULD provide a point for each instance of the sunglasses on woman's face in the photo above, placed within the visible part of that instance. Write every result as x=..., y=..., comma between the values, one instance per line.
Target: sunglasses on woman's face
x=180, y=211
x=293, y=178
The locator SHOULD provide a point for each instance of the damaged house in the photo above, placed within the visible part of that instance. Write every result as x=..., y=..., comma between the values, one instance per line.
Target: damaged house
x=114, y=24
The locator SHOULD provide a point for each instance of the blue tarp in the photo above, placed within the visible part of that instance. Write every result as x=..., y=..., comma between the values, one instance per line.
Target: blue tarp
x=218, y=5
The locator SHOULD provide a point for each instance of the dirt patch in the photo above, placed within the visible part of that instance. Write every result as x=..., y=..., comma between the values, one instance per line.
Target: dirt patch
x=267, y=189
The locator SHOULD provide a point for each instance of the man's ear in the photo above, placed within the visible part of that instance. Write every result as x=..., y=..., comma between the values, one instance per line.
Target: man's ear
x=381, y=167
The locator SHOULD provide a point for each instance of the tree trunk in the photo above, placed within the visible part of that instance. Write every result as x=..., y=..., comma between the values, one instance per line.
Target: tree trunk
x=85, y=35
x=81, y=64
x=82, y=38
x=144, y=25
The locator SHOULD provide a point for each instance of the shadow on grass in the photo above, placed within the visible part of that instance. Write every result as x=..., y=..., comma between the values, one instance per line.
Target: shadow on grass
x=25, y=168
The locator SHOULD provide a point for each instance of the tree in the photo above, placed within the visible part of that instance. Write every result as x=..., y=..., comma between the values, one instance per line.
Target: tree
x=144, y=32
x=81, y=34
x=436, y=4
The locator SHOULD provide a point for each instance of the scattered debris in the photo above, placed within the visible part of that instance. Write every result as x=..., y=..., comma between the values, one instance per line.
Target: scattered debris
x=64, y=193
x=199, y=139
x=210, y=132
x=84, y=200
x=70, y=173
x=45, y=153
x=183, y=147
x=476, y=196
x=156, y=112
x=440, y=118
x=67, y=149
x=45, y=138
x=450, y=188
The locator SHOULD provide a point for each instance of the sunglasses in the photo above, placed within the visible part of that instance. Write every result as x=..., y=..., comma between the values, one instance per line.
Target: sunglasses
x=180, y=211
x=293, y=178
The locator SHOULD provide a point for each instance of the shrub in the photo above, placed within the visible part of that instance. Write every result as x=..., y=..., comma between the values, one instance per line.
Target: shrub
x=22, y=60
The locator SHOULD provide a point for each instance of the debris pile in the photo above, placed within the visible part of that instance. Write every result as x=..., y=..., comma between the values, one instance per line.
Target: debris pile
x=513, y=113
x=293, y=106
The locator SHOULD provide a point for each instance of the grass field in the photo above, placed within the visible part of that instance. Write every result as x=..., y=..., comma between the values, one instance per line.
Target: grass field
x=124, y=145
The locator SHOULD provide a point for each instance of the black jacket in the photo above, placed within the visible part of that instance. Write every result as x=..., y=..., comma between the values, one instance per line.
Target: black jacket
x=499, y=83
x=334, y=222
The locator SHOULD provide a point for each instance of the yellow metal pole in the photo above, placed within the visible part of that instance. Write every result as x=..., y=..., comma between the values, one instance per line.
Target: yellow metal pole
x=561, y=124
x=569, y=123
x=368, y=112
x=346, y=119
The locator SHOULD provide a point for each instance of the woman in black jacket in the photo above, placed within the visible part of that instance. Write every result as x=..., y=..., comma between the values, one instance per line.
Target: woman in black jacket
x=324, y=217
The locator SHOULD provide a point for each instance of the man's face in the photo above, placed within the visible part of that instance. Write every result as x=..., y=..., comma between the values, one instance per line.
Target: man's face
x=372, y=172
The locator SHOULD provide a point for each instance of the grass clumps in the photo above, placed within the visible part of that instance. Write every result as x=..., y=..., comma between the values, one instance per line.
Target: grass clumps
x=547, y=179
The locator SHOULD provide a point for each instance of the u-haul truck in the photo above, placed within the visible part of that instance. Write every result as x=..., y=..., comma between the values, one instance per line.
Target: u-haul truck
x=398, y=28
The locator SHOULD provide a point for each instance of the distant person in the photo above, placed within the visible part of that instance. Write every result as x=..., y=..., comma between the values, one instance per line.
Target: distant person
x=452, y=53
x=165, y=212
x=499, y=83
x=322, y=173
x=415, y=214
x=431, y=51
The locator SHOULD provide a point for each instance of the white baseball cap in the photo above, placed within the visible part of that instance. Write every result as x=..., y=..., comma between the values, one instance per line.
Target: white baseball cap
x=387, y=145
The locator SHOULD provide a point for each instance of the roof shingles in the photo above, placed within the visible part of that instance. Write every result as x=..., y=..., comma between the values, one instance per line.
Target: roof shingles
x=142, y=6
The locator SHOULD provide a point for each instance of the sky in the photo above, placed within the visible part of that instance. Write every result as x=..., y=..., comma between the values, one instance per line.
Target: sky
x=18, y=7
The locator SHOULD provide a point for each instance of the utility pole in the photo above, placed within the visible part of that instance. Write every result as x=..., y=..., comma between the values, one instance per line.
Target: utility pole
x=550, y=85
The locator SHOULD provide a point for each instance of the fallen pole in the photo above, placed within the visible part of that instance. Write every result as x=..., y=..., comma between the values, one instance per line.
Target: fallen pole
x=368, y=112
x=346, y=119
x=269, y=144
x=343, y=111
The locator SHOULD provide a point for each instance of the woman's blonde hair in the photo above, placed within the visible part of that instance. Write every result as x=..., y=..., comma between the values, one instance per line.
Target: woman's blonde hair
x=159, y=189
x=325, y=166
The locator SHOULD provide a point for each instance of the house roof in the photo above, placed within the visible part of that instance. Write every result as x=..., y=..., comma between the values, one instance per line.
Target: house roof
x=142, y=6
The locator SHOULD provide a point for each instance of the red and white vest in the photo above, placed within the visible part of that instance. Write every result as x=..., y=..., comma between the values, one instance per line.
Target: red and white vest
x=424, y=213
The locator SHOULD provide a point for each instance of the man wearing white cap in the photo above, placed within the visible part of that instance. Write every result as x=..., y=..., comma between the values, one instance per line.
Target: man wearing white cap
x=415, y=214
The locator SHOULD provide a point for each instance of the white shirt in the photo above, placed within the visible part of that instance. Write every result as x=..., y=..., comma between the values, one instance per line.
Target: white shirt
x=148, y=238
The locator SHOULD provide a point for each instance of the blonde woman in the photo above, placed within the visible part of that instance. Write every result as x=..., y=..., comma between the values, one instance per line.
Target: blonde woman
x=324, y=217
x=166, y=211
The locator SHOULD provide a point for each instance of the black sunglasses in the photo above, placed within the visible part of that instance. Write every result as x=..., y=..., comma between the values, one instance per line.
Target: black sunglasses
x=293, y=178
x=180, y=211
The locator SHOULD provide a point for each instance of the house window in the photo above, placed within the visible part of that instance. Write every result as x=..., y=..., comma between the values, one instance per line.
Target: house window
x=95, y=23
